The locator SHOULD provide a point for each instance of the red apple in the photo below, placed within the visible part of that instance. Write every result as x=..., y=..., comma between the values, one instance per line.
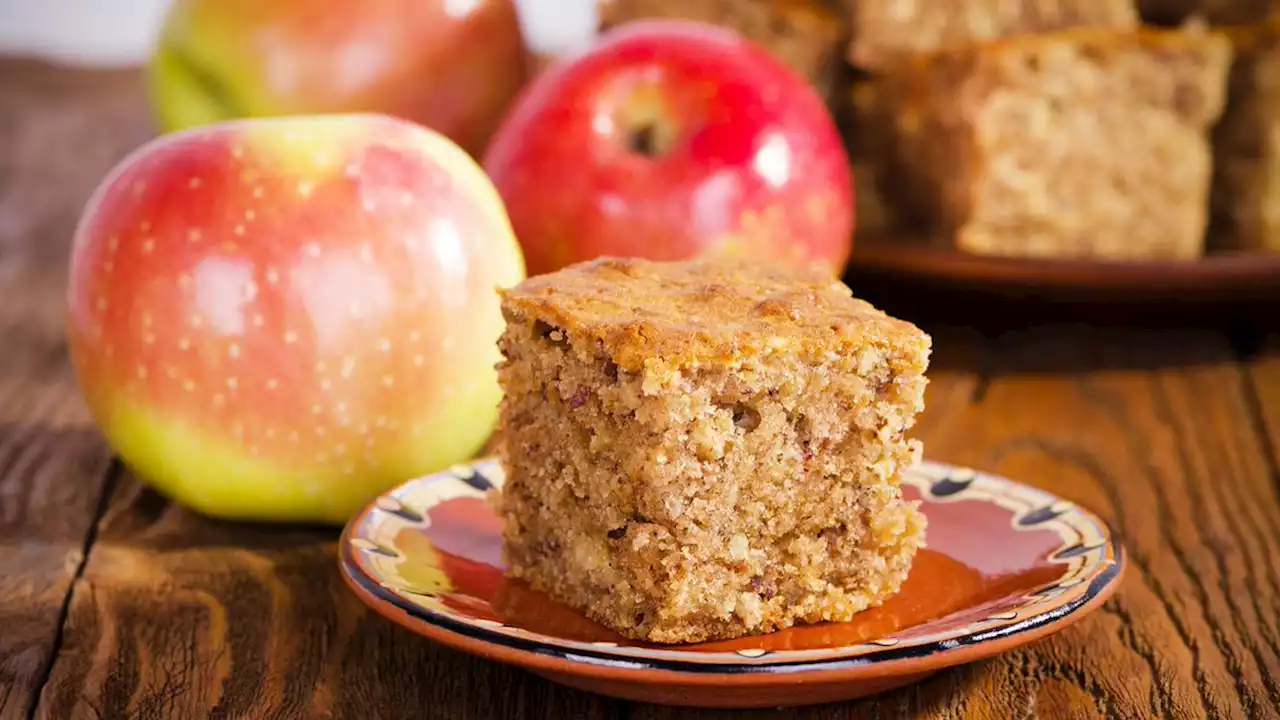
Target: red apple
x=453, y=65
x=277, y=319
x=670, y=139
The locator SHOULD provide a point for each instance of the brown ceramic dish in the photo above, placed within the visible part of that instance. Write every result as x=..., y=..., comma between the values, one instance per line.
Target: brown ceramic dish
x=1007, y=564
x=1214, y=278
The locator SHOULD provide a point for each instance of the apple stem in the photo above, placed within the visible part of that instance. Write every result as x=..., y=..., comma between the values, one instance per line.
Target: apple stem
x=644, y=140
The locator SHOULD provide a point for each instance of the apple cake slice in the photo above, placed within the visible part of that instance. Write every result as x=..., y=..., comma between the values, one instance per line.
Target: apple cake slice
x=1085, y=143
x=706, y=449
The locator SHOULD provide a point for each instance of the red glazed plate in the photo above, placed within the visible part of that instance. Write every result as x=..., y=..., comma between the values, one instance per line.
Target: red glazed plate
x=1006, y=564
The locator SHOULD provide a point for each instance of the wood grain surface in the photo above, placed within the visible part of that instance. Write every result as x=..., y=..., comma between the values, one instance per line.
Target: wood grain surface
x=116, y=603
x=52, y=463
x=1264, y=382
x=51, y=470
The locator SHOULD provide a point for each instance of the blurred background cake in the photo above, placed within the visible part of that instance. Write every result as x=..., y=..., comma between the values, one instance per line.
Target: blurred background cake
x=1246, y=195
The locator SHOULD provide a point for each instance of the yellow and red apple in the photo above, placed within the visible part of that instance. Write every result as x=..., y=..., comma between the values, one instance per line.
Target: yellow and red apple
x=450, y=65
x=278, y=318
x=670, y=139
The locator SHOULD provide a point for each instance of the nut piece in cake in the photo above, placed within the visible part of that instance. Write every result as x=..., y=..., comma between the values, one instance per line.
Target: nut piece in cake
x=806, y=35
x=1246, y=186
x=1085, y=143
x=887, y=29
x=707, y=449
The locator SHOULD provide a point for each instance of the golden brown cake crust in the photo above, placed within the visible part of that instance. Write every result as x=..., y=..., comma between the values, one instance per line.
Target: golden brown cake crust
x=707, y=311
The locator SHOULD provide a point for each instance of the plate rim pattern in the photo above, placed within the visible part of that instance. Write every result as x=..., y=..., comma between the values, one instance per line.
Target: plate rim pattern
x=1095, y=562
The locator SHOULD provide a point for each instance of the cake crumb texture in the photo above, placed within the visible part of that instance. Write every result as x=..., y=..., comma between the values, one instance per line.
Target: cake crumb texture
x=707, y=449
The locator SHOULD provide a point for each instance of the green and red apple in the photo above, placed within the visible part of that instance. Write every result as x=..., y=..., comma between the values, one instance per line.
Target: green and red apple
x=452, y=65
x=277, y=319
x=670, y=139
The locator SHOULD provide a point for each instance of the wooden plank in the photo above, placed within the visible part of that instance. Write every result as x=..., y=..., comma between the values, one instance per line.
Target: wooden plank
x=1152, y=430
x=52, y=463
x=1264, y=380
x=1155, y=431
x=52, y=467
x=182, y=616
x=177, y=615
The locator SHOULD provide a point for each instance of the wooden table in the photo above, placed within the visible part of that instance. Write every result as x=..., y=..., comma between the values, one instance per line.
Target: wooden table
x=115, y=603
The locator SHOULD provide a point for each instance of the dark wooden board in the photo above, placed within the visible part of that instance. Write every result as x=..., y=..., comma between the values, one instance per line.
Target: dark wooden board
x=58, y=133
x=182, y=616
x=52, y=467
x=1153, y=430
x=1264, y=380
x=168, y=614
x=1165, y=451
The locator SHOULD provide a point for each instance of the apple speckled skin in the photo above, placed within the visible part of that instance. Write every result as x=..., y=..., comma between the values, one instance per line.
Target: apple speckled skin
x=277, y=319
x=670, y=139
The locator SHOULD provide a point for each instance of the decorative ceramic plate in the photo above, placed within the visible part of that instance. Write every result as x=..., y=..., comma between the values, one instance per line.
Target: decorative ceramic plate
x=1006, y=564
x=1213, y=278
